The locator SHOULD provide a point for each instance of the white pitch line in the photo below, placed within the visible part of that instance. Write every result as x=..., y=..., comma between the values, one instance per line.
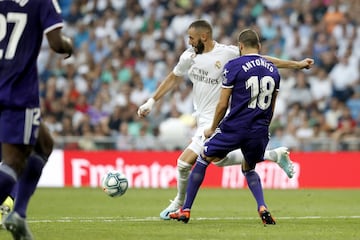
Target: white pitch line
x=151, y=219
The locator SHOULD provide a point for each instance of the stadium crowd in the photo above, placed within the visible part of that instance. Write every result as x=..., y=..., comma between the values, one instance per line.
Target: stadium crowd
x=123, y=50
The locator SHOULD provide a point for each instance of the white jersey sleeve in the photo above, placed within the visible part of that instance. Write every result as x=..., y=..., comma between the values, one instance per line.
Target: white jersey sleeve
x=185, y=62
x=234, y=49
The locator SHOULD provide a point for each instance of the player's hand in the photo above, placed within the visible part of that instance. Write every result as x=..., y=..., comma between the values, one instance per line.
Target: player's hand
x=146, y=108
x=306, y=63
x=208, y=133
x=68, y=47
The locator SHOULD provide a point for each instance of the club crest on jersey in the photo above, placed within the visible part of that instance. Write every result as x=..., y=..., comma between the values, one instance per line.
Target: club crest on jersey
x=218, y=64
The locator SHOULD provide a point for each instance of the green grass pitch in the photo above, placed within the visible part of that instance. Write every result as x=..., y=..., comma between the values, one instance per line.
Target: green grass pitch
x=87, y=213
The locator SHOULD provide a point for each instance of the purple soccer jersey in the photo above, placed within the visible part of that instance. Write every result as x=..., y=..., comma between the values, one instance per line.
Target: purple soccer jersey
x=253, y=81
x=22, y=25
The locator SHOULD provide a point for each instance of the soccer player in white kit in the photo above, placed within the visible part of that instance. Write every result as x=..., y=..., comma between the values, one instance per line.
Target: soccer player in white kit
x=204, y=63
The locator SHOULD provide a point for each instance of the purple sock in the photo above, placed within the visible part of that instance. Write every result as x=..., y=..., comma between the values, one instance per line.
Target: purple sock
x=28, y=182
x=14, y=191
x=195, y=180
x=254, y=184
x=7, y=182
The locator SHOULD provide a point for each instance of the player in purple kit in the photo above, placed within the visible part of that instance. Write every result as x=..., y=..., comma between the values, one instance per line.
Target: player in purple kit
x=26, y=143
x=252, y=83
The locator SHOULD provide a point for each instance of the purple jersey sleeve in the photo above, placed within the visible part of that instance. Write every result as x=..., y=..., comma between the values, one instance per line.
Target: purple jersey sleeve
x=50, y=16
x=228, y=77
x=24, y=23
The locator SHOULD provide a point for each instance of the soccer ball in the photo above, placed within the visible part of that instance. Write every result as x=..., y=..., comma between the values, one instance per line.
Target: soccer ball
x=114, y=183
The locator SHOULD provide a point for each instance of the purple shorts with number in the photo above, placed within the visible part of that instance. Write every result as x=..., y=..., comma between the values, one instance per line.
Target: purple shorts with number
x=19, y=126
x=251, y=143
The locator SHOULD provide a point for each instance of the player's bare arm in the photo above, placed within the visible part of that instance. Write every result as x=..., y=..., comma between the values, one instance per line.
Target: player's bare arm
x=60, y=43
x=273, y=99
x=220, y=111
x=170, y=82
x=280, y=63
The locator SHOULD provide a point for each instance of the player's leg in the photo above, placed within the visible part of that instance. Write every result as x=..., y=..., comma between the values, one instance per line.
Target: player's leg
x=7, y=206
x=279, y=155
x=216, y=146
x=18, y=135
x=35, y=163
x=195, y=180
x=235, y=157
x=253, y=150
x=184, y=165
x=13, y=162
x=14, y=158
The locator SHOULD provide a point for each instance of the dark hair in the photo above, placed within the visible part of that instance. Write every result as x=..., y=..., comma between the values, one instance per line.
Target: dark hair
x=249, y=38
x=201, y=24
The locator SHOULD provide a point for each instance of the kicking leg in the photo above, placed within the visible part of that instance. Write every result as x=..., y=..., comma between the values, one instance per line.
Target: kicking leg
x=184, y=165
x=279, y=155
x=195, y=180
x=32, y=173
x=235, y=157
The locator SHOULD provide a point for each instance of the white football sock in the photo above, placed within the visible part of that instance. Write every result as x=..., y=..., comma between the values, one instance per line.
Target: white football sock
x=235, y=157
x=270, y=155
x=183, y=172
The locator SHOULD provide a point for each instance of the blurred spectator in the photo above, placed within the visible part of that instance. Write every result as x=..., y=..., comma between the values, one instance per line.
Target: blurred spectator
x=346, y=132
x=344, y=76
x=289, y=138
x=123, y=140
x=96, y=113
x=173, y=132
x=114, y=120
x=139, y=94
x=132, y=23
x=320, y=87
x=333, y=113
x=333, y=16
x=301, y=92
x=295, y=46
x=146, y=140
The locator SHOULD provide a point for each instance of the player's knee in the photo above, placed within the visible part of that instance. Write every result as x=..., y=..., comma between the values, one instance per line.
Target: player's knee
x=183, y=166
x=45, y=142
x=220, y=163
x=246, y=168
x=44, y=148
x=15, y=156
x=48, y=147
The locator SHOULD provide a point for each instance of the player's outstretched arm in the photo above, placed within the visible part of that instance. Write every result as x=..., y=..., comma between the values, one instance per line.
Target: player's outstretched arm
x=59, y=42
x=168, y=84
x=280, y=63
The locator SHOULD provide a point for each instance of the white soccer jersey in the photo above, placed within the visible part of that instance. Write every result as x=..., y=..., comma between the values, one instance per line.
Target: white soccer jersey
x=205, y=72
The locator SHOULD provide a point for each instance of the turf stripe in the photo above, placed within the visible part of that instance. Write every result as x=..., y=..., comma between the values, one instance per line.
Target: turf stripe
x=149, y=219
